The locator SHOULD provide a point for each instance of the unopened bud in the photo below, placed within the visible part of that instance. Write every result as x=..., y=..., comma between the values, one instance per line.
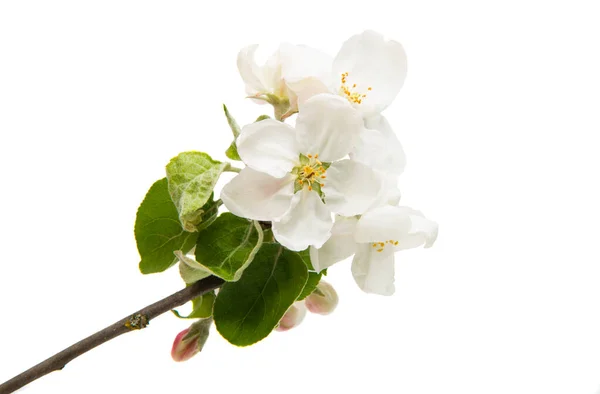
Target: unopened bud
x=191, y=340
x=323, y=300
x=294, y=316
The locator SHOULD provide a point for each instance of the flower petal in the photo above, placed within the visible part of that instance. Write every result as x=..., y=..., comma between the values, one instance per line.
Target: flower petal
x=293, y=317
x=250, y=72
x=328, y=126
x=308, y=222
x=378, y=147
x=306, y=88
x=271, y=75
x=370, y=61
x=306, y=71
x=299, y=62
x=374, y=271
x=422, y=231
x=339, y=246
x=351, y=187
x=382, y=224
x=389, y=193
x=323, y=300
x=269, y=146
x=255, y=195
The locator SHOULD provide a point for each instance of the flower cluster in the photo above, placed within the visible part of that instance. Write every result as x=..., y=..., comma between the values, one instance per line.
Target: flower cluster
x=330, y=181
x=320, y=185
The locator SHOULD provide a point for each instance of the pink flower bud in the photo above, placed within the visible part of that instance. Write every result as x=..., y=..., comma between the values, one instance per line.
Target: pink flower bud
x=191, y=340
x=294, y=316
x=323, y=300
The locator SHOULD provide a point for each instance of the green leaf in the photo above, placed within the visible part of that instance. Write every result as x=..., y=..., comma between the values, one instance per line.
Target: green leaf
x=268, y=235
x=192, y=177
x=235, y=128
x=311, y=284
x=262, y=117
x=202, y=307
x=248, y=310
x=313, y=277
x=210, y=212
x=305, y=256
x=158, y=232
x=228, y=246
x=189, y=269
x=232, y=152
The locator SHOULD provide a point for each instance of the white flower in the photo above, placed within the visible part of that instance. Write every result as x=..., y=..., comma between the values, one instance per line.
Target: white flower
x=378, y=147
x=373, y=239
x=368, y=71
x=267, y=82
x=261, y=80
x=297, y=177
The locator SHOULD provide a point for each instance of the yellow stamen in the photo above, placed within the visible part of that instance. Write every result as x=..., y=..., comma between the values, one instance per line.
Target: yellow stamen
x=351, y=95
x=311, y=172
x=380, y=246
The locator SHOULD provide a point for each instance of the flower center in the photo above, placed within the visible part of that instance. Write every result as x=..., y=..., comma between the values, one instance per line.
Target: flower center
x=310, y=172
x=380, y=246
x=352, y=95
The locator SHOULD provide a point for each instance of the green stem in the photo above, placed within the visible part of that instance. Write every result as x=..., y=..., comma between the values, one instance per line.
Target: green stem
x=233, y=169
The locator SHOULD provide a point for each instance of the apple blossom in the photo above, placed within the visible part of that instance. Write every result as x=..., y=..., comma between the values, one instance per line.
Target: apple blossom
x=368, y=71
x=378, y=147
x=261, y=80
x=323, y=300
x=293, y=317
x=296, y=177
x=190, y=341
x=340, y=158
x=267, y=83
x=373, y=239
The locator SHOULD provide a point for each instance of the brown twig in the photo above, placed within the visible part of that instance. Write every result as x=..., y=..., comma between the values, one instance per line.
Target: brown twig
x=132, y=322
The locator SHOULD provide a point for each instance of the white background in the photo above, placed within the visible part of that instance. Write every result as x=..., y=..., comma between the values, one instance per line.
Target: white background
x=499, y=118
